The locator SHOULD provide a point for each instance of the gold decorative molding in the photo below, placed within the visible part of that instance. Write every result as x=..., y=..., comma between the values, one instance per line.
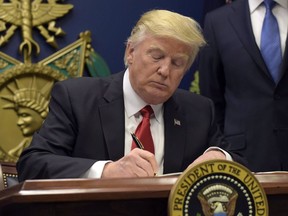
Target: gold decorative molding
x=66, y=63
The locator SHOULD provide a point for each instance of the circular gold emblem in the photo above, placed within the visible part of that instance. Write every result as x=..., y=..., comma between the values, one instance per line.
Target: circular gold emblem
x=217, y=188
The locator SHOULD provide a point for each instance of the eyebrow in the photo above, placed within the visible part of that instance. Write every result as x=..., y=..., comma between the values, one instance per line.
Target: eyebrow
x=156, y=48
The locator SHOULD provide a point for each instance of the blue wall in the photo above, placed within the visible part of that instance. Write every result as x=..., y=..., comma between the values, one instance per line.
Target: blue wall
x=110, y=23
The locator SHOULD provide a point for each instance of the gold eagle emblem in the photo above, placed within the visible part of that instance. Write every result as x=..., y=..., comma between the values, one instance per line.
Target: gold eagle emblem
x=27, y=14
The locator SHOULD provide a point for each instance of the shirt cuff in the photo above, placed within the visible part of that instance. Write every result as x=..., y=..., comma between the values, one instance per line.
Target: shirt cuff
x=95, y=171
x=228, y=156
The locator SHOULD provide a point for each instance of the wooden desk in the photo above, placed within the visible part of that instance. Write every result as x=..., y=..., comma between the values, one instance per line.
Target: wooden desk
x=133, y=197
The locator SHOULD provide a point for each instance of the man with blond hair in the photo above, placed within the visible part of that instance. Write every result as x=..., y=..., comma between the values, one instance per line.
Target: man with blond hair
x=87, y=132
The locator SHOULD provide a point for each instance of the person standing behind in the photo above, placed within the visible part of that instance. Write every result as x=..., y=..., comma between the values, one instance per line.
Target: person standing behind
x=247, y=78
x=87, y=132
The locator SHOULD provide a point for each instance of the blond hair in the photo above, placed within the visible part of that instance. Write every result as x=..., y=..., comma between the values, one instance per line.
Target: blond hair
x=165, y=23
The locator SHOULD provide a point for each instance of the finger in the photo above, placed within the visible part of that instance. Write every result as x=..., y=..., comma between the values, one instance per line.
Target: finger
x=117, y=169
x=124, y=167
x=151, y=164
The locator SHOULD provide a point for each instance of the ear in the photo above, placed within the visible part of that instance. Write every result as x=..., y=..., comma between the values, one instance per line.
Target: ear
x=129, y=53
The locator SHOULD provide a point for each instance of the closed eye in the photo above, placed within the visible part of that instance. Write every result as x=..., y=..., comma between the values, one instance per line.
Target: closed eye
x=157, y=57
x=178, y=63
x=156, y=54
x=23, y=115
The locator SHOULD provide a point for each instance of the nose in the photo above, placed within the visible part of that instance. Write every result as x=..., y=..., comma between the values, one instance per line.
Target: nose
x=164, y=68
x=20, y=121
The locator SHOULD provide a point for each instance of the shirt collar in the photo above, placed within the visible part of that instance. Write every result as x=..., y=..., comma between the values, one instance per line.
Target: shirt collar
x=283, y=3
x=133, y=102
x=254, y=4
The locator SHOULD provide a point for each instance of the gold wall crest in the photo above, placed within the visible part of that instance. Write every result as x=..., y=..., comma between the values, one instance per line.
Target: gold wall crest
x=26, y=15
x=25, y=86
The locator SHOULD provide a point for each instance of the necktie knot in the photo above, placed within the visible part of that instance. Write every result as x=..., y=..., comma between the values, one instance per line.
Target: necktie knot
x=147, y=111
x=269, y=4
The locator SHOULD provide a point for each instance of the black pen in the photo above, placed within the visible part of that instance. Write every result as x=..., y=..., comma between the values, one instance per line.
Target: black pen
x=137, y=141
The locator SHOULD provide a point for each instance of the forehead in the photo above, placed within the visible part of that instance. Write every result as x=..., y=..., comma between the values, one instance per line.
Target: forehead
x=167, y=45
x=22, y=109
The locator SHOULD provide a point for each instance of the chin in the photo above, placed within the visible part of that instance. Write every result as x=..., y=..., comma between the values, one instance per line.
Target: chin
x=26, y=133
x=156, y=96
x=157, y=100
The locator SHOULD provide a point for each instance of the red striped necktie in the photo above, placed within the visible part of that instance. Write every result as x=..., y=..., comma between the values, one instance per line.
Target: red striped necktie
x=143, y=131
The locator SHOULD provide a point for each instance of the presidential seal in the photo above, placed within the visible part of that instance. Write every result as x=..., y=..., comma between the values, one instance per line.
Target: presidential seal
x=217, y=188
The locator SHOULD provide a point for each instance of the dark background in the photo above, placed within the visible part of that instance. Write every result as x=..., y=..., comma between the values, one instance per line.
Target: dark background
x=110, y=23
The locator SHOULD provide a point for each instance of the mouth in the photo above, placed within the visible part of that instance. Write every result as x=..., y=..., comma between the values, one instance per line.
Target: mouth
x=22, y=128
x=159, y=85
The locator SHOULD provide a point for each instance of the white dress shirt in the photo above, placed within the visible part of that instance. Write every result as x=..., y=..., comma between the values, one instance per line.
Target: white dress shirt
x=280, y=11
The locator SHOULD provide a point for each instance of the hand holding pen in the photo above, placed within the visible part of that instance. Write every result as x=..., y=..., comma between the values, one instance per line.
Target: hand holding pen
x=136, y=163
x=139, y=144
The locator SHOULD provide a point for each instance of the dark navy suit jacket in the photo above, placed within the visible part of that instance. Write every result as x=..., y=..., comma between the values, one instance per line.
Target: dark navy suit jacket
x=251, y=109
x=86, y=124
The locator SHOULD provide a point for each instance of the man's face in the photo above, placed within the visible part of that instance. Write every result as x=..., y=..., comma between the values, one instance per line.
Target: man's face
x=156, y=67
x=28, y=120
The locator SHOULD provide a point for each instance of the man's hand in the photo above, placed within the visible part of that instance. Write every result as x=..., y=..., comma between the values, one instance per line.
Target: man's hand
x=138, y=163
x=209, y=155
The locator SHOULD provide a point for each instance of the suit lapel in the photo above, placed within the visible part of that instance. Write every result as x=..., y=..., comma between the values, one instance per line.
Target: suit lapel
x=112, y=118
x=175, y=127
x=241, y=22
